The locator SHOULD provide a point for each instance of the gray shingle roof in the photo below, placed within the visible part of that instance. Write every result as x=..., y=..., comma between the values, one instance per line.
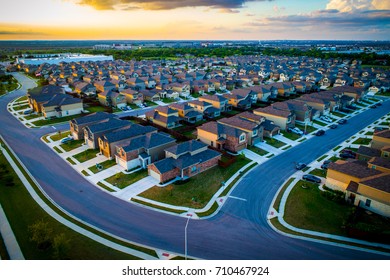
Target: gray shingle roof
x=128, y=132
x=94, y=117
x=186, y=147
x=109, y=124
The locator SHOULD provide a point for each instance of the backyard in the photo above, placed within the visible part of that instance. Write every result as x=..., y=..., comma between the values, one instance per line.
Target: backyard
x=198, y=190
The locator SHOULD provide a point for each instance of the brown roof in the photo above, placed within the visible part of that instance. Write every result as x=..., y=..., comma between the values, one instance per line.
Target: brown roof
x=273, y=111
x=353, y=187
x=355, y=168
x=383, y=133
x=381, y=162
x=251, y=117
x=239, y=123
x=381, y=183
x=367, y=151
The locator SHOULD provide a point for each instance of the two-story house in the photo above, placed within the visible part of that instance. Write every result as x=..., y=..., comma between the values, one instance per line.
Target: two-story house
x=217, y=101
x=283, y=118
x=163, y=116
x=205, y=108
x=77, y=125
x=186, y=112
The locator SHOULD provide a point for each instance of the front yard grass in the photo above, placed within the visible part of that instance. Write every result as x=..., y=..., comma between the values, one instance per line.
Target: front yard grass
x=105, y=164
x=291, y=135
x=309, y=128
x=60, y=135
x=55, y=120
x=93, y=109
x=275, y=143
x=86, y=155
x=320, y=123
x=122, y=180
x=257, y=150
x=338, y=114
x=305, y=206
x=362, y=141
x=71, y=145
x=318, y=172
x=31, y=117
x=198, y=191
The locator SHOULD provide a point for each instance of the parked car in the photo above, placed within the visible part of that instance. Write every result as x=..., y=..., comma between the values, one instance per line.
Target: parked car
x=300, y=165
x=325, y=164
x=342, y=121
x=124, y=108
x=333, y=126
x=379, y=103
x=320, y=132
x=347, y=155
x=296, y=130
x=325, y=118
x=311, y=178
x=348, y=151
x=66, y=140
x=373, y=106
x=28, y=112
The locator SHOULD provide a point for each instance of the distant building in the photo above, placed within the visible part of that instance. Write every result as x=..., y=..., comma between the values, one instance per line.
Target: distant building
x=58, y=58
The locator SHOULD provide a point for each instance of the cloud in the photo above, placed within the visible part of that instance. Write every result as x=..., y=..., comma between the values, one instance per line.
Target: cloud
x=358, y=5
x=228, y=11
x=164, y=4
x=22, y=32
x=278, y=9
x=249, y=15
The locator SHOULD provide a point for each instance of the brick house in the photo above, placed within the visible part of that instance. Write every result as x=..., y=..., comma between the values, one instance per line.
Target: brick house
x=222, y=136
x=77, y=125
x=142, y=150
x=184, y=160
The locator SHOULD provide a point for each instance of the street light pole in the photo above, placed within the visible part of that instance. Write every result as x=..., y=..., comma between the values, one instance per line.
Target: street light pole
x=185, y=238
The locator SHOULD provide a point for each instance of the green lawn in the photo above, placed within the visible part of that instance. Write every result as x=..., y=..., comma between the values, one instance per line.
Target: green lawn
x=257, y=150
x=57, y=150
x=100, y=184
x=93, y=109
x=338, y=114
x=362, y=141
x=55, y=120
x=319, y=123
x=59, y=135
x=21, y=107
x=22, y=212
x=387, y=93
x=71, y=161
x=105, y=164
x=190, y=134
x=334, y=159
x=336, y=148
x=86, y=155
x=281, y=192
x=150, y=103
x=321, y=158
x=291, y=135
x=318, y=172
x=369, y=133
x=384, y=123
x=198, y=191
x=22, y=98
x=69, y=146
x=122, y=180
x=168, y=100
x=30, y=117
x=157, y=206
x=275, y=143
x=305, y=206
x=309, y=128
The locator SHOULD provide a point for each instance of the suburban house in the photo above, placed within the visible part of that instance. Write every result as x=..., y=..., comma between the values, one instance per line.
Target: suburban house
x=381, y=139
x=150, y=95
x=132, y=96
x=187, y=113
x=223, y=136
x=205, y=108
x=282, y=118
x=77, y=125
x=317, y=104
x=163, y=116
x=136, y=83
x=104, y=86
x=183, y=89
x=52, y=101
x=85, y=88
x=108, y=141
x=263, y=93
x=217, y=101
x=355, y=93
x=112, y=98
x=302, y=111
x=254, y=129
x=184, y=160
x=328, y=96
x=142, y=150
x=92, y=132
x=284, y=88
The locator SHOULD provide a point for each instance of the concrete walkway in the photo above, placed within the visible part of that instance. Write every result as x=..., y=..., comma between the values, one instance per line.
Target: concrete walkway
x=136, y=188
x=11, y=244
x=269, y=148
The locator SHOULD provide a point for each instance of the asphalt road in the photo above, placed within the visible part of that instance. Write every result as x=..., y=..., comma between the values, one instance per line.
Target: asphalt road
x=239, y=231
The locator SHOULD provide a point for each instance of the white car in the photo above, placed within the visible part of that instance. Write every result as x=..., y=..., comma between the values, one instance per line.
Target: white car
x=296, y=130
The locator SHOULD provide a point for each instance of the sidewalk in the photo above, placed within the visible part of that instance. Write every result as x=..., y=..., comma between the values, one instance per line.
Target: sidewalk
x=13, y=249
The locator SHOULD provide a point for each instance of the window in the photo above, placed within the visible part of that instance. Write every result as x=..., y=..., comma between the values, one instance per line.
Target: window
x=254, y=132
x=242, y=138
x=368, y=202
x=193, y=169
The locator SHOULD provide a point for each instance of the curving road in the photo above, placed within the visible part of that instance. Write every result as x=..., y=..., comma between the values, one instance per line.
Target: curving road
x=239, y=231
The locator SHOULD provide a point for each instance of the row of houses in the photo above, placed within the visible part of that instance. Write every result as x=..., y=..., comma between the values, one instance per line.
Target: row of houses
x=133, y=145
x=366, y=179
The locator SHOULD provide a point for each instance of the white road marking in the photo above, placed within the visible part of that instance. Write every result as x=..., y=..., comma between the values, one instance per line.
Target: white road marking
x=243, y=199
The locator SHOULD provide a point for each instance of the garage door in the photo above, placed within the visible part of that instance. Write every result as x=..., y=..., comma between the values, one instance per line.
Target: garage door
x=155, y=175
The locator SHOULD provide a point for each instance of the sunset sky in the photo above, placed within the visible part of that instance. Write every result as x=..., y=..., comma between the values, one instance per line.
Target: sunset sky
x=195, y=19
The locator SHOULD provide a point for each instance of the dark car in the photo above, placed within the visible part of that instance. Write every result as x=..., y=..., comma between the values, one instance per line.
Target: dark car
x=300, y=165
x=379, y=104
x=320, y=132
x=311, y=178
x=325, y=164
x=347, y=151
x=342, y=121
x=347, y=155
x=333, y=126
x=373, y=106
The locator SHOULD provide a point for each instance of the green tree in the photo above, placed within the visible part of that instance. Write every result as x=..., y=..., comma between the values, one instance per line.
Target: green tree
x=41, y=234
x=61, y=246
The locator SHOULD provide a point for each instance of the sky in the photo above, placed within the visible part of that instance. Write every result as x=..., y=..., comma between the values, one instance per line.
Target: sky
x=195, y=19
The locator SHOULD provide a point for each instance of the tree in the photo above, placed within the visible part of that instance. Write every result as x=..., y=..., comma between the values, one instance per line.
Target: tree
x=61, y=246
x=41, y=234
